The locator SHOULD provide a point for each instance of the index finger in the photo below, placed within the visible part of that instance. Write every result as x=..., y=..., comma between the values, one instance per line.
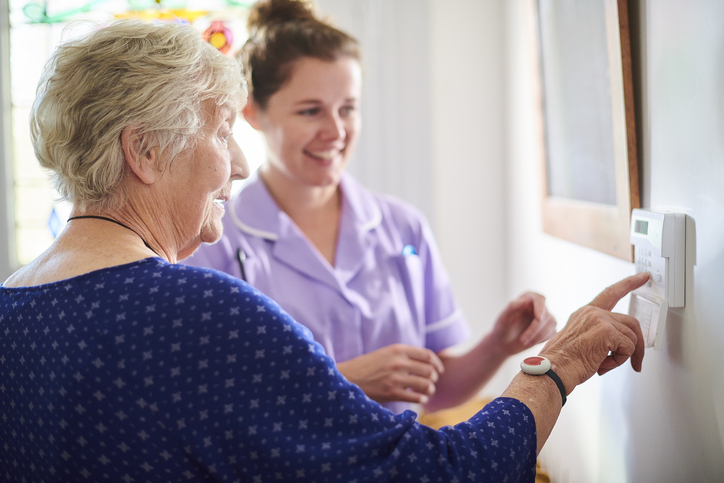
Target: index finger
x=608, y=299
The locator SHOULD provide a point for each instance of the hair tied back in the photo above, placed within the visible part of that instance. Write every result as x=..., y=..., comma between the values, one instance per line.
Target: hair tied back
x=267, y=12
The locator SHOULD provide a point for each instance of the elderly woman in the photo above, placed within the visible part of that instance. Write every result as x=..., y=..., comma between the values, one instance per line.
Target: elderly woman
x=117, y=363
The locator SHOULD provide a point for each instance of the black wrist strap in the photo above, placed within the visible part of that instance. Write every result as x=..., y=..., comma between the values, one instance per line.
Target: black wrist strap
x=559, y=383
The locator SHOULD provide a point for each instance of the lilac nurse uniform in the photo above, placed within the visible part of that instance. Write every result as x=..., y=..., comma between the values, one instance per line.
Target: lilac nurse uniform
x=388, y=284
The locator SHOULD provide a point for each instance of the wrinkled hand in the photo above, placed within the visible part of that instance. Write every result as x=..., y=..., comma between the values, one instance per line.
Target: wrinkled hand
x=524, y=323
x=396, y=372
x=596, y=340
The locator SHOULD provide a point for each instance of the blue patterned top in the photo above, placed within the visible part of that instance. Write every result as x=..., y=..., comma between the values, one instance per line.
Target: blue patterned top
x=159, y=372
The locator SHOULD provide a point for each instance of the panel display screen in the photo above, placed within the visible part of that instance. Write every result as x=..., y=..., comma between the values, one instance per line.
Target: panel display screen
x=641, y=226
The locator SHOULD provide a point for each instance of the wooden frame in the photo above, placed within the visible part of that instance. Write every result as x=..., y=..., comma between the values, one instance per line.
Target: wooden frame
x=589, y=191
x=8, y=263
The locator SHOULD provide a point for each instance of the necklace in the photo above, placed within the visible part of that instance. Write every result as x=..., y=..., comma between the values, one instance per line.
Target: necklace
x=117, y=223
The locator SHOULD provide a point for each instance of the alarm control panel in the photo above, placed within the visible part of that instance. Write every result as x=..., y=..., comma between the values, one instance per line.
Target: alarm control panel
x=659, y=241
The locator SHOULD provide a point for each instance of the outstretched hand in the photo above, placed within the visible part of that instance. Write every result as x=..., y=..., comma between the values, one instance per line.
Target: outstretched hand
x=524, y=323
x=596, y=340
x=396, y=372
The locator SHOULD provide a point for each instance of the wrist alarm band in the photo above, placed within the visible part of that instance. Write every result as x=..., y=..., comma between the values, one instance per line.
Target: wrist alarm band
x=538, y=366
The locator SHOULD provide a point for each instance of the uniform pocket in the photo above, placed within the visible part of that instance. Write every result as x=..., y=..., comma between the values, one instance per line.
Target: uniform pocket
x=412, y=276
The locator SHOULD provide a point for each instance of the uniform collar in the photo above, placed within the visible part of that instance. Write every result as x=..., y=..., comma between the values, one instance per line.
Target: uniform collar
x=255, y=213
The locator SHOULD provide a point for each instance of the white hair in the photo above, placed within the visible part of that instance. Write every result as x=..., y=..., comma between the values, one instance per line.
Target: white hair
x=152, y=78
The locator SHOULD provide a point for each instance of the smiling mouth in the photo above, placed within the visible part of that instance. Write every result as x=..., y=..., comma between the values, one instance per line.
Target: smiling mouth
x=324, y=155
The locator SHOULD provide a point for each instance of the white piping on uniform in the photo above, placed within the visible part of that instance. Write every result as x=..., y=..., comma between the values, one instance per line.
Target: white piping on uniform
x=376, y=220
x=441, y=324
x=247, y=229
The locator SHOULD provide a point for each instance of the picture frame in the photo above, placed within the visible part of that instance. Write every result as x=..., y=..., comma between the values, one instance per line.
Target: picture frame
x=590, y=166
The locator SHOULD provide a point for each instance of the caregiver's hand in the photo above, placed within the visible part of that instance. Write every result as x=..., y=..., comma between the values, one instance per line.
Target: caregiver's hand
x=397, y=372
x=524, y=323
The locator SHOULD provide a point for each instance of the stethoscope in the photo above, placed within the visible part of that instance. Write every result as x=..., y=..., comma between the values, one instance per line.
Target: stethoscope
x=241, y=256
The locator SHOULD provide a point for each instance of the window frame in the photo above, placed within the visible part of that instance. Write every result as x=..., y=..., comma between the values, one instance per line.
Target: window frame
x=8, y=262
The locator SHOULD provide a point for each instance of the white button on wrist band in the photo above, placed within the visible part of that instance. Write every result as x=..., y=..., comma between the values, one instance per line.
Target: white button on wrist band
x=538, y=366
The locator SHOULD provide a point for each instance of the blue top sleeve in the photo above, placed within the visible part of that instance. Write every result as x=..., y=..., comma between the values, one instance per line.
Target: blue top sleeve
x=151, y=371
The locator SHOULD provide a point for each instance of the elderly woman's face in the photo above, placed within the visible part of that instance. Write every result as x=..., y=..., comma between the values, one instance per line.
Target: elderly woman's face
x=203, y=180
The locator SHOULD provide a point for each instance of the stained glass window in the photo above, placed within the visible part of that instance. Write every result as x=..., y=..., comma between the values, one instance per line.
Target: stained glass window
x=36, y=28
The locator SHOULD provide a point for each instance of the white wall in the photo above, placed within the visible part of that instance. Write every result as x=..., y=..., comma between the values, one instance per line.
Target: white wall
x=667, y=423
x=468, y=152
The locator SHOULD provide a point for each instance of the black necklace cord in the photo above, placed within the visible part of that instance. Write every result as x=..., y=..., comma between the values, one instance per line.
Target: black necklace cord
x=105, y=218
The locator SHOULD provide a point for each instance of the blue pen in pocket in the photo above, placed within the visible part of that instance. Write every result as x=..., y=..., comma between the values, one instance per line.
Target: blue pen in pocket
x=409, y=250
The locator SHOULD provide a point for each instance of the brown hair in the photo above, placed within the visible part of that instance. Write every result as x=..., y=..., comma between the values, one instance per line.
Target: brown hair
x=282, y=32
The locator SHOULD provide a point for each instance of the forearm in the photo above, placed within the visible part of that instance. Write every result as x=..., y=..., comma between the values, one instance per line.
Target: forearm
x=542, y=397
x=467, y=374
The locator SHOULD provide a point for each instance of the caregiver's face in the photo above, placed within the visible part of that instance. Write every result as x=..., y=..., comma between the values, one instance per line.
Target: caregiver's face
x=312, y=123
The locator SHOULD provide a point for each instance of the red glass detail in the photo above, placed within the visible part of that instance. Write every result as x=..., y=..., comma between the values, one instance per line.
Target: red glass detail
x=533, y=361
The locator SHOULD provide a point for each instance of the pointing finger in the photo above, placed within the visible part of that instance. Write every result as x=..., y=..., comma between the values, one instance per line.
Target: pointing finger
x=608, y=299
